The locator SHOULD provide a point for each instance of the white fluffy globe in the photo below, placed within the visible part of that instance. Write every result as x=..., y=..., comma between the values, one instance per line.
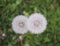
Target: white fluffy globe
x=19, y=24
x=37, y=23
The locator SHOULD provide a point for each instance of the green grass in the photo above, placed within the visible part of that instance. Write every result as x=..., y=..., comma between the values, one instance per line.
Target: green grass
x=50, y=8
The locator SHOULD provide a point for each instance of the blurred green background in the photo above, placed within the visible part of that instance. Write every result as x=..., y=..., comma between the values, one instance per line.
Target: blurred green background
x=11, y=8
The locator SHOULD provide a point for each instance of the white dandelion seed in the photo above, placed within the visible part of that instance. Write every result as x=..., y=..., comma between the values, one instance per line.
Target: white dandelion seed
x=37, y=23
x=19, y=24
x=3, y=34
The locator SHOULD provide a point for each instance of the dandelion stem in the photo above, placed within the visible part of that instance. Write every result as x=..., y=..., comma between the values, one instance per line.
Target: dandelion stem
x=21, y=40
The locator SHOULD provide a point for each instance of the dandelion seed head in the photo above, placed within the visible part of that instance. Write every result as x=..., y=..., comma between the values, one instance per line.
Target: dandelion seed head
x=37, y=23
x=19, y=24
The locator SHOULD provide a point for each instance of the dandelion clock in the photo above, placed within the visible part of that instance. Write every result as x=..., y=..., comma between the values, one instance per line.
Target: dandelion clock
x=36, y=23
x=19, y=24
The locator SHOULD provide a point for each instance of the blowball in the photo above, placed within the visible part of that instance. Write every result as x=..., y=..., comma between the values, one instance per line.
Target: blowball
x=37, y=23
x=19, y=24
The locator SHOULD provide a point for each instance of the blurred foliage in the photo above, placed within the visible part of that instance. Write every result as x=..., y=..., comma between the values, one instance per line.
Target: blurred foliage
x=11, y=8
